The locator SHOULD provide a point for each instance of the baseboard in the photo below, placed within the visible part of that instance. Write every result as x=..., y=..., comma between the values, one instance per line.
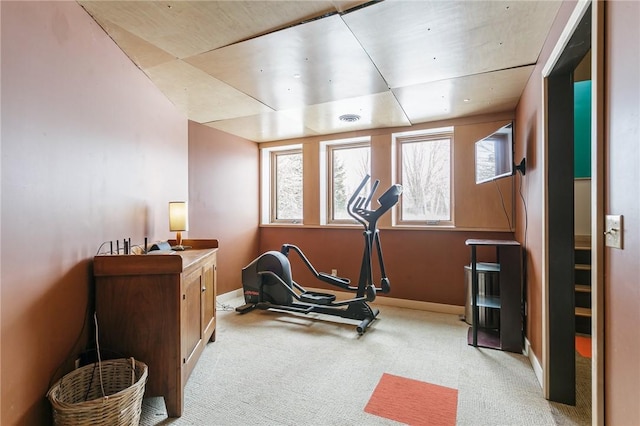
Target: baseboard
x=420, y=305
x=401, y=303
x=535, y=364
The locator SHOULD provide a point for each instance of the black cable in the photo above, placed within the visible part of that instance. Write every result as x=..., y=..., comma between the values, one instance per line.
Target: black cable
x=73, y=347
x=224, y=307
x=503, y=206
x=119, y=250
x=524, y=258
x=526, y=214
x=101, y=245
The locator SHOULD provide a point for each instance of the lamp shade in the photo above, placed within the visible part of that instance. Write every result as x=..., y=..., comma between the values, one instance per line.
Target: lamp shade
x=178, y=216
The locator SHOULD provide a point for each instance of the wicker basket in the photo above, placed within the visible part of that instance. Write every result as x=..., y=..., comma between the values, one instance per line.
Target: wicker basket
x=105, y=393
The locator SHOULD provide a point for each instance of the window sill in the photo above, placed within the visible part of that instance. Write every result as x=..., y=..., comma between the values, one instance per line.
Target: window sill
x=445, y=228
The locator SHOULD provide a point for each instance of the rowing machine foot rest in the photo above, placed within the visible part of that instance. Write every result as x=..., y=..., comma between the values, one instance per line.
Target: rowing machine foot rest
x=317, y=298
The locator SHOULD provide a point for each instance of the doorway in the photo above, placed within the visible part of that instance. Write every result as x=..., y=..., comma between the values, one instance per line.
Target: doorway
x=581, y=36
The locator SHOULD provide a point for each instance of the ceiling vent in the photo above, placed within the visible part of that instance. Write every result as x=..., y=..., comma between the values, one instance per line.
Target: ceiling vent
x=349, y=118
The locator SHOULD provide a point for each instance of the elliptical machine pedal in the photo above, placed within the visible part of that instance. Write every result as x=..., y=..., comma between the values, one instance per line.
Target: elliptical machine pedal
x=247, y=307
x=317, y=298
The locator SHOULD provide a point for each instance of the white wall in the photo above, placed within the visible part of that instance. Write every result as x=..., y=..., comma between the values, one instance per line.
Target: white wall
x=582, y=206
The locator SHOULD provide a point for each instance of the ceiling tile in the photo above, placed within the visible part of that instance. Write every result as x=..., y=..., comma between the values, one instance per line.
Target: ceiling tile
x=308, y=64
x=141, y=52
x=414, y=42
x=278, y=125
x=186, y=28
x=472, y=95
x=376, y=111
x=201, y=97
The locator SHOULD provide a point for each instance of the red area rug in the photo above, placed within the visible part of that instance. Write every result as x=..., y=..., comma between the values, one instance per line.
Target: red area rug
x=413, y=402
x=583, y=346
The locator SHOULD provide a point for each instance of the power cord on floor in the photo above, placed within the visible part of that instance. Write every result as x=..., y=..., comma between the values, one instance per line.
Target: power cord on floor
x=224, y=307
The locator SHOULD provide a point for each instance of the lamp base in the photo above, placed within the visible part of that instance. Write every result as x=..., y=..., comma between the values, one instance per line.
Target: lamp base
x=180, y=247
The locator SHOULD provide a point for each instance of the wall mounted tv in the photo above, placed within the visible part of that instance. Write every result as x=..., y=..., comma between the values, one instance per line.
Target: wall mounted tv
x=494, y=155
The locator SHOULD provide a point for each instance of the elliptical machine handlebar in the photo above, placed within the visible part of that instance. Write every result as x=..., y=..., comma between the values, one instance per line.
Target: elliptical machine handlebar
x=358, y=206
x=322, y=276
x=356, y=201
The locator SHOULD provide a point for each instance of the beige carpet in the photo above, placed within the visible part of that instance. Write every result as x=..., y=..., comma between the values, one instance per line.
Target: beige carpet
x=270, y=368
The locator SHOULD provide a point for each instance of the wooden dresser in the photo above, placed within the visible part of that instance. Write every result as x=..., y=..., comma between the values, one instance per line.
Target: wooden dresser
x=160, y=309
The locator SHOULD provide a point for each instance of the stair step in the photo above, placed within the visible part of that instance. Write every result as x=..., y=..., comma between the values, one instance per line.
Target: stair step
x=580, y=288
x=583, y=312
x=582, y=242
x=582, y=267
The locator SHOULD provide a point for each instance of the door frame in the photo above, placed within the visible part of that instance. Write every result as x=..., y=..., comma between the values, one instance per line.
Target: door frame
x=597, y=201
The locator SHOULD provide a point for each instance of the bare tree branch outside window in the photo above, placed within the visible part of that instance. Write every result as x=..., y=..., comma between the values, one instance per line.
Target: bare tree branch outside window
x=426, y=179
x=288, y=186
x=349, y=166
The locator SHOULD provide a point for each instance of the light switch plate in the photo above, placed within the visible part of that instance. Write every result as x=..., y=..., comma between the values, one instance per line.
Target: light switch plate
x=613, y=231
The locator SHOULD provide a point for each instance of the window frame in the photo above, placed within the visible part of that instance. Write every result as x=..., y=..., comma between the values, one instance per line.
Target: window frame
x=327, y=192
x=419, y=136
x=269, y=186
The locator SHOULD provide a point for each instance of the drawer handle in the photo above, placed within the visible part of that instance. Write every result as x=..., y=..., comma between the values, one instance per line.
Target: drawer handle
x=204, y=289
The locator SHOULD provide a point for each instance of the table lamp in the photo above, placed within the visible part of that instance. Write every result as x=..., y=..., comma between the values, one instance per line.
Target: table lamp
x=178, y=221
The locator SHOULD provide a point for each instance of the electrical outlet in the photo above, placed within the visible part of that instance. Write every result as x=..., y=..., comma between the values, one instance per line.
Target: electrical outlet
x=613, y=231
x=334, y=272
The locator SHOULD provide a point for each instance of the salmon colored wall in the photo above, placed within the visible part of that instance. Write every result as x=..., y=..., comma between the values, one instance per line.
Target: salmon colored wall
x=425, y=266
x=91, y=151
x=223, y=202
x=528, y=137
x=622, y=195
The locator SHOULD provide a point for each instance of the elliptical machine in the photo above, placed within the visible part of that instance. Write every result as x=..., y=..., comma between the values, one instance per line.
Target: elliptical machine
x=268, y=284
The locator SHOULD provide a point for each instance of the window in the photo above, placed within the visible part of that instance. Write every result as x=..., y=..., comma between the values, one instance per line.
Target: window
x=283, y=187
x=347, y=163
x=424, y=170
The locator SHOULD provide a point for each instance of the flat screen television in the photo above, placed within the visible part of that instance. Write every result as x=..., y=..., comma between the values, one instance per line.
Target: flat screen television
x=494, y=155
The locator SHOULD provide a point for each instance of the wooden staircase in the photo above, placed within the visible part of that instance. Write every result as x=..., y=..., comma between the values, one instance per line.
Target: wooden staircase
x=583, y=285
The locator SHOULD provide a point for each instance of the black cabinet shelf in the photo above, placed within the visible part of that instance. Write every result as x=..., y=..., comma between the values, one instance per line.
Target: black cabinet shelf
x=489, y=302
x=508, y=336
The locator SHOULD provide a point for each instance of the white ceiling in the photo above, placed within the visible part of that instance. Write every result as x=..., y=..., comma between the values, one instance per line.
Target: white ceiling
x=274, y=70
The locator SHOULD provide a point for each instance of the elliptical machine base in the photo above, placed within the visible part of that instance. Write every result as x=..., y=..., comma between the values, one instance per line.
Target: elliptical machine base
x=268, y=285
x=360, y=311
